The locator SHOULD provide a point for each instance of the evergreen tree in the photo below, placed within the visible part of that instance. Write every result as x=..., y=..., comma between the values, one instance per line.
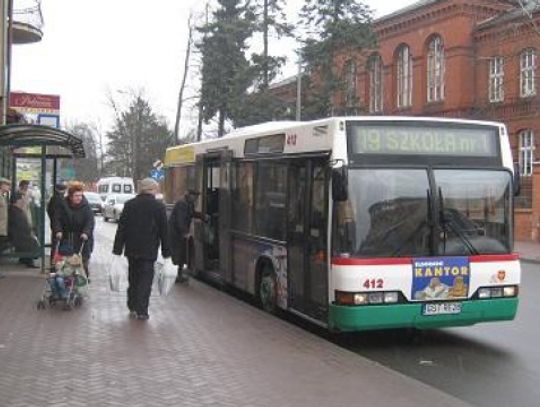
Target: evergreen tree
x=259, y=104
x=226, y=72
x=138, y=138
x=271, y=21
x=333, y=27
x=86, y=169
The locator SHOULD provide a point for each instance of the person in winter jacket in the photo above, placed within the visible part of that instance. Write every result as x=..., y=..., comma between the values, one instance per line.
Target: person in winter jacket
x=54, y=206
x=74, y=224
x=141, y=230
x=4, y=209
x=179, y=225
x=21, y=235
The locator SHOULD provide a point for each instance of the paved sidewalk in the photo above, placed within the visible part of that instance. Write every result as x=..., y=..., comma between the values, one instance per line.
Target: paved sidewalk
x=201, y=347
x=528, y=251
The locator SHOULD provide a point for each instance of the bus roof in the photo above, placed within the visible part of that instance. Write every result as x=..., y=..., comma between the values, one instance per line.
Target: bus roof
x=293, y=137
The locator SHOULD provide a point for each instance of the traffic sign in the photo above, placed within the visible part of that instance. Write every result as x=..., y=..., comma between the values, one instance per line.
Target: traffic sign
x=157, y=174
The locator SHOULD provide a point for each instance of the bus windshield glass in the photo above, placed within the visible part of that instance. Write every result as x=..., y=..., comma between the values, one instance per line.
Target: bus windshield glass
x=474, y=211
x=396, y=213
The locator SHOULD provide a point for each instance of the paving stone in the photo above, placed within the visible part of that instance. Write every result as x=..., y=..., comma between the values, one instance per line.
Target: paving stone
x=200, y=347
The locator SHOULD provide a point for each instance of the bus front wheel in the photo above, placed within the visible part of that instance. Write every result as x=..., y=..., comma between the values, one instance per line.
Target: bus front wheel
x=268, y=290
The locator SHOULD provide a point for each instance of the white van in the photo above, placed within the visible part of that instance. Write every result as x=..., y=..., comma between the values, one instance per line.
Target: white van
x=115, y=185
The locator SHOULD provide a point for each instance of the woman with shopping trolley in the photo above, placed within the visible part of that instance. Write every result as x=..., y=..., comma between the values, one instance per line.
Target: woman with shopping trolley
x=74, y=225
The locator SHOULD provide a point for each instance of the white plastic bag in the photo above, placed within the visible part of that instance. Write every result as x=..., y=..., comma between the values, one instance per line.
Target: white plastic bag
x=166, y=273
x=117, y=271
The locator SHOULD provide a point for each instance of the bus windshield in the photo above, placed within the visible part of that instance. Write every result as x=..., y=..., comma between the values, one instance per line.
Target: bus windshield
x=396, y=213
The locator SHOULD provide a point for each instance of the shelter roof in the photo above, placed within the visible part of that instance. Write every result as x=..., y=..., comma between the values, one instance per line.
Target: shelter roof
x=32, y=135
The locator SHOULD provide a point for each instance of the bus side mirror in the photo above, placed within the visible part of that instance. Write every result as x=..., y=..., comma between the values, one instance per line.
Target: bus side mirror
x=517, y=179
x=340, y=184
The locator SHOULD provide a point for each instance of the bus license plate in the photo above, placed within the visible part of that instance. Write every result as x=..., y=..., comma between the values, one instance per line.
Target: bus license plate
x=442, y=308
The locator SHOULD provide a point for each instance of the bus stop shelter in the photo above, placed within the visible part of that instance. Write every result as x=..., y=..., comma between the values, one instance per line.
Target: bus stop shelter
x=36, y=150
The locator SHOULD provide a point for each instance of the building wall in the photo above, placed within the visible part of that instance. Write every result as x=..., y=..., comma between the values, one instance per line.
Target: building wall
x=469, y=43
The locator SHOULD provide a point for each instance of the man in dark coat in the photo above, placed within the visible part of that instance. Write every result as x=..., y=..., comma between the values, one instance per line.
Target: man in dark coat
x=74, y=225
x=21, y=234
x=55, y=206
x=179, y=225
x=141, y=230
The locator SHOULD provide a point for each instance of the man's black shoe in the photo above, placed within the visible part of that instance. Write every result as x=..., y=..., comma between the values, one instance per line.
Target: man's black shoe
x=143, y=317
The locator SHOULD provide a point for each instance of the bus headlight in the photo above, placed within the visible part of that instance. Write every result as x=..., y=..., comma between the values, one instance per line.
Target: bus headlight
x=375, y=298
x=484, y=293
x=497, y=292
x=360, y=298
x=367, y=298
x=391, y=297
x=510, y=291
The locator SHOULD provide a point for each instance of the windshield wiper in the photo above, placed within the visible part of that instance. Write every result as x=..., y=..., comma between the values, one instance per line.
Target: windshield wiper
x=450, y=222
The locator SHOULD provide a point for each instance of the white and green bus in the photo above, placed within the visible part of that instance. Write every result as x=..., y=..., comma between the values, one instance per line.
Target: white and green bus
x=358, y=223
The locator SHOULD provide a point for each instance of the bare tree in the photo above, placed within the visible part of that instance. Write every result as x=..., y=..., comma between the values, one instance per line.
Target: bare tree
x=187, y=57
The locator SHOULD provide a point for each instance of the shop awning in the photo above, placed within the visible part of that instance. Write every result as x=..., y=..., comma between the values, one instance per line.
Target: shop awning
x=33, y=135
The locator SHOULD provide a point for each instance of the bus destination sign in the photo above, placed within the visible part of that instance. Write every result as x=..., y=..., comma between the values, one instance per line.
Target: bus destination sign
x=422, y=140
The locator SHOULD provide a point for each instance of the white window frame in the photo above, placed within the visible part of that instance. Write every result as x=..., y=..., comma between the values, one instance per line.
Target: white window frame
x=375, y=70
x=496, y=79
x=526, y=152
x=404, y=77
x=350, y=83
x=435, y=70
x=527, y=72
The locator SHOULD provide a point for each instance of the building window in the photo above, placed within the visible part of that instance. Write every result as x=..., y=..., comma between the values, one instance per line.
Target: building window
x=404, y=77
x=375, y=70
x=435, y=70
x=496, y=79
x=350, y=84
x=527, y=61
x=526, y=152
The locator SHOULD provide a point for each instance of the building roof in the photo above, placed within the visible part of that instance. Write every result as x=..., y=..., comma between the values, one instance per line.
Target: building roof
x=530, y=8
x=405, y=10
x=286, y=81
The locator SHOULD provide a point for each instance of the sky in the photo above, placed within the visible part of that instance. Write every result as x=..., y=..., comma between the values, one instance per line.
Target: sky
x=92, y=49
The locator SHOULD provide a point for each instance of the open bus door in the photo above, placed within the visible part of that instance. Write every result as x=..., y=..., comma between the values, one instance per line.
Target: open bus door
x=212, y=238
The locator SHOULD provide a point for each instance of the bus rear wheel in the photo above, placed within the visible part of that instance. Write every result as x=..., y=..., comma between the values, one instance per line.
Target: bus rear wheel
x=268, y=290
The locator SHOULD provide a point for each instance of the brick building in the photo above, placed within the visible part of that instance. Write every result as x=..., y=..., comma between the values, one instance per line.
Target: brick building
x=459, y=58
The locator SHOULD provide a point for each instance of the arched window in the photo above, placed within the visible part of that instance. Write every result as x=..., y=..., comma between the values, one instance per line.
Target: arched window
x=349, y=76
x=435, y=70
x=526, y=152
x=375, y=70
x=527, y=63
x=350, y=83
x=404, y=77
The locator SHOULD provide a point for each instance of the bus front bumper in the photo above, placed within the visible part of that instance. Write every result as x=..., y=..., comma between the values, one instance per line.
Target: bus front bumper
x=362, y=318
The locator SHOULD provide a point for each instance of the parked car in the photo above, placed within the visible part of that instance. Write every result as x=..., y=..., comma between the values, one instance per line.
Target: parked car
x=114, y=204
x=95, y=202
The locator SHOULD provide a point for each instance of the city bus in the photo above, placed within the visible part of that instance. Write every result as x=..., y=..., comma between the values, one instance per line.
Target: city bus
x=358, y=223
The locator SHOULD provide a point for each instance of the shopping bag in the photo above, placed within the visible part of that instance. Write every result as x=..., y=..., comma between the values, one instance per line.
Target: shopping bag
x=117, y=270
x=166, y=275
